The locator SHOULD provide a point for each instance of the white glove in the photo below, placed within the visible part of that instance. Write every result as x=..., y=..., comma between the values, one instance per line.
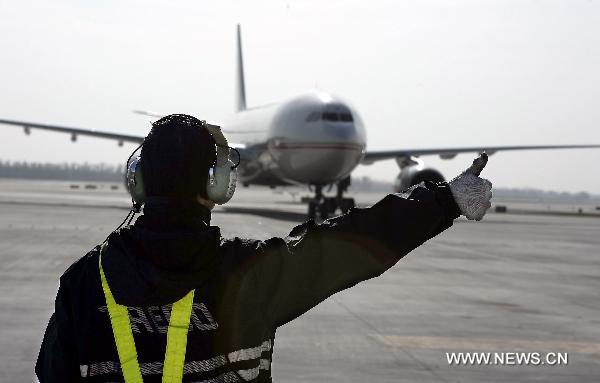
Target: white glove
x=472, y=193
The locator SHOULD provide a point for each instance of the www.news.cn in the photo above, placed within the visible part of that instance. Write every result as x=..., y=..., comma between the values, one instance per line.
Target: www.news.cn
x=507, y=358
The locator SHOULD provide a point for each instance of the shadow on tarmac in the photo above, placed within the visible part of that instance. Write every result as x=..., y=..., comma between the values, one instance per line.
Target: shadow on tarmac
x=267, y=213
x=66, y=204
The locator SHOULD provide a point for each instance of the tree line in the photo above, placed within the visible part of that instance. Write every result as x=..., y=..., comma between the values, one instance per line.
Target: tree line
x=61, y=171
x=114, y=173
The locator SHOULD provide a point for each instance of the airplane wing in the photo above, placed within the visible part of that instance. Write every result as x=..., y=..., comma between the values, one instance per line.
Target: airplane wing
x=449, y=153
x=121, y=138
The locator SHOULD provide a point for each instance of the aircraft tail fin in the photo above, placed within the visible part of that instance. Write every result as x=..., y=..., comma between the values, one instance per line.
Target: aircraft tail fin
x=241, y=86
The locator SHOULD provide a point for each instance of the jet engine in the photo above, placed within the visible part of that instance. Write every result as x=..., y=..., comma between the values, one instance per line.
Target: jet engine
x=414, y=174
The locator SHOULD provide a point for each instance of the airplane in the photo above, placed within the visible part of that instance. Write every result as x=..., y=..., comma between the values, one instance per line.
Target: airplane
x=313, y=139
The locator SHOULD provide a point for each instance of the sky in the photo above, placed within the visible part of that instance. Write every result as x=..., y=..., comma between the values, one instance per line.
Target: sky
x=421, y=74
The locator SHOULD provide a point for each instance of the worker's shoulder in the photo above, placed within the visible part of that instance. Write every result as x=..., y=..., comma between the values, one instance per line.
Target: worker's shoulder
x=240, y=253
x=243, y=253
x=244, y=247
x=237, y=247
x=81, y=268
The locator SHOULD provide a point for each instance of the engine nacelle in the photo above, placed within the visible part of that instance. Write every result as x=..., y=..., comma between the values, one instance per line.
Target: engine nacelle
x=412, y=175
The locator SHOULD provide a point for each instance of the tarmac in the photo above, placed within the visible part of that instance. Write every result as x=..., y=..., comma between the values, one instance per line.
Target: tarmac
x=509, y=286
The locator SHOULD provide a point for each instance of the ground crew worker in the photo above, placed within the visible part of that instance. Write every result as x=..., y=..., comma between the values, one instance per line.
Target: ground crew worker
x=168, y=299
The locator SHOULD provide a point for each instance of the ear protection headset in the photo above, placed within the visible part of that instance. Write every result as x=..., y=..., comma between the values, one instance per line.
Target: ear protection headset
x=222, y=176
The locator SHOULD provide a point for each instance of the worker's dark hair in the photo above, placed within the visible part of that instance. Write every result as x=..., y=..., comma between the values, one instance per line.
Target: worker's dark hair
x=176, y=157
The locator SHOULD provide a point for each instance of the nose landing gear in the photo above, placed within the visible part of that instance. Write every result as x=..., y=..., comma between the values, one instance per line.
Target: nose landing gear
x=322, y=207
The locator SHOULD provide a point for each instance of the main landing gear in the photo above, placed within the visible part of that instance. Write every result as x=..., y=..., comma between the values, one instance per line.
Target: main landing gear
x=322, y=207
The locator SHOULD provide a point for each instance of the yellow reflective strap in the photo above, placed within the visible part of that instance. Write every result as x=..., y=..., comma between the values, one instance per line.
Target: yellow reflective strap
x=119, y=319
x=176, y=336
x=177, y=339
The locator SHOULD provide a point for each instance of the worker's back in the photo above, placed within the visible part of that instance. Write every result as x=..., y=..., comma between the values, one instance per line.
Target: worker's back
x=149, y=266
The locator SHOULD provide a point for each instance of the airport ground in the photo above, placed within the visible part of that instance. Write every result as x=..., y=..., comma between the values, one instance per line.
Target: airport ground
x=511, y=283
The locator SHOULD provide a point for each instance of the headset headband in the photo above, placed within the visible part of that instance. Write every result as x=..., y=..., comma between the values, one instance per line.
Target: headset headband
x=217, y=134
x=221, y=141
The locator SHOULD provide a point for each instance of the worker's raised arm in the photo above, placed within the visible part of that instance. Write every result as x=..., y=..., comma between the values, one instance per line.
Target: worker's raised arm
x=316, y=261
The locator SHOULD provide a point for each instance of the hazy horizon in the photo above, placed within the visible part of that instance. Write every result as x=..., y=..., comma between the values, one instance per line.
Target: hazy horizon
x=421, y=74
x=114, y=173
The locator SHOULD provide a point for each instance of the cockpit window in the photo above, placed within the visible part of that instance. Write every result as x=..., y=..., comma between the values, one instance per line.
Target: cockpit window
x=329, y=116
x=346, y=117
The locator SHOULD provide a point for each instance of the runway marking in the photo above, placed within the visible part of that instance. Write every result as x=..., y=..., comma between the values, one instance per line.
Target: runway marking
x=424, y=365
x=486, y=344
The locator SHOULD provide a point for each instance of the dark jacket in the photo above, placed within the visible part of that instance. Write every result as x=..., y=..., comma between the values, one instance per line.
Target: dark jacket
x=245, y=289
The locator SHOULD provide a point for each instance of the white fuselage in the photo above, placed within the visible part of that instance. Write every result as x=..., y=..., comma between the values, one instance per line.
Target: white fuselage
x=313, y=139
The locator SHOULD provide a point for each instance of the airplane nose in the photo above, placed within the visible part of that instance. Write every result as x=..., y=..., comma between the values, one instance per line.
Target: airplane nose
x=315, y=139
x=322, y=155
